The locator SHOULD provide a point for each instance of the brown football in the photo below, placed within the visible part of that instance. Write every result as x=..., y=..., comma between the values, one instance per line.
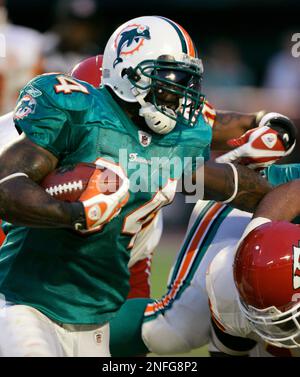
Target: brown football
x=69, y=182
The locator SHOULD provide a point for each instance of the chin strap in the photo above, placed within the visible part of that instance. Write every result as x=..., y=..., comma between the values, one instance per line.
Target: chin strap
x=156, y=120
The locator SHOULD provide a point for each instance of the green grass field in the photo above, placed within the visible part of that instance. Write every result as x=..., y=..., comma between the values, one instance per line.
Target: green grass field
x=162, y=261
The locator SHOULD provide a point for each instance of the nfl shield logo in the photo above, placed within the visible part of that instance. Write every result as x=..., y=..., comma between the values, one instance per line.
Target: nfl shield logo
x=145, y=139
x=98, y=337
x=269, y=140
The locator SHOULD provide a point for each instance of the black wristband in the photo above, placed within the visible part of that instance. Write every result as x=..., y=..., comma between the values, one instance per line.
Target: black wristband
x=78, y=219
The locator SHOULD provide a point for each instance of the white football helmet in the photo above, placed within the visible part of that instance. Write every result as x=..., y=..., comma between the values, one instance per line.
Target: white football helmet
x=154, y=55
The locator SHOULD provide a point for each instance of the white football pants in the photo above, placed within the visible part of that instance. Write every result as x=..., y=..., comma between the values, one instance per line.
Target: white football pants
x=26, y=332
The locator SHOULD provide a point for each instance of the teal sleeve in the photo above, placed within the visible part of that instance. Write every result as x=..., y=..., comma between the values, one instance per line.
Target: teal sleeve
x=206, y=153
x=126, y=329
x=42, y=122
x=199, y=161
x=279, y=174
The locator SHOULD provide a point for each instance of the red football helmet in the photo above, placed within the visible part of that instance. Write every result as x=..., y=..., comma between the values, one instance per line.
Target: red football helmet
x=89, y=70
x=267, y=276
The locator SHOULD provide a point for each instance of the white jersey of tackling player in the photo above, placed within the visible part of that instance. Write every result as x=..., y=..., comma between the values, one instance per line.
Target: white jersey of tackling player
x=20, y=61
x=8, y=133
x=180, y=321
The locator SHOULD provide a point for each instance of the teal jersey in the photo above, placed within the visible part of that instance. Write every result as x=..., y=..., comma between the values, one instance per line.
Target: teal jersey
x=84, y=280
x=279, y=174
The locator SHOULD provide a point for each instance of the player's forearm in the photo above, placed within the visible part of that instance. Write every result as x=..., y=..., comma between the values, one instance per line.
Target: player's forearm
x=230, y=125
x=252, y=189
x=219, y=185
x=23, y=202
x=281, y=204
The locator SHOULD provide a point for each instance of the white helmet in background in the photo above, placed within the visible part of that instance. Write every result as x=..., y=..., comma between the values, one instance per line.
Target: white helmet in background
x=154, y=55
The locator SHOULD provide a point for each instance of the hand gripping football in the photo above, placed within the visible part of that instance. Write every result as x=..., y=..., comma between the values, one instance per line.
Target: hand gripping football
x=102, y=188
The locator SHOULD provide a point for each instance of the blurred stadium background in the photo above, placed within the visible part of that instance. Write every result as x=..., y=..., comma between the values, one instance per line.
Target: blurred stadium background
x=245, y=46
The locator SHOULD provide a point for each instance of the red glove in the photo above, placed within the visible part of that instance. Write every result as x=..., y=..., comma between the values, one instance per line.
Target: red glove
x=262, y=146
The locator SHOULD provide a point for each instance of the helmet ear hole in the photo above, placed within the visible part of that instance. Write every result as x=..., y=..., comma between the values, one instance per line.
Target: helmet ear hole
x=166, y=58
x=131, y=74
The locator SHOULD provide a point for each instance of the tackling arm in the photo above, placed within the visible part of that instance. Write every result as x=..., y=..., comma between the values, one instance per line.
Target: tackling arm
x=220, y=185
x=281, y=204
x=230, y=125
x=22, y=200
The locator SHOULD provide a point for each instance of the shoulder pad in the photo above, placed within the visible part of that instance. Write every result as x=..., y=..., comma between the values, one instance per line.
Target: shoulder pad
x=223, y=295
x=62, y=90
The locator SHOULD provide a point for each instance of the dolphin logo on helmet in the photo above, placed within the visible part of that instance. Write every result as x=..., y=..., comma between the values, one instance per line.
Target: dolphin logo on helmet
x=124, y=41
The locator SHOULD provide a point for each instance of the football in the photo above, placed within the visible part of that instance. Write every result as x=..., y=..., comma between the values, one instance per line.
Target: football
x=69, y=182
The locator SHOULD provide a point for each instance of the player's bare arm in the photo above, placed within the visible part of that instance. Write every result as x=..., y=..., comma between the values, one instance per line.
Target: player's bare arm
x=220, y=184
x=229, y=125
x=282, y=203
x=22, y=200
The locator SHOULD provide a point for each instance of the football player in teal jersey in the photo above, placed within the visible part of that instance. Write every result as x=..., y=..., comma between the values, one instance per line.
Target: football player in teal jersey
x=62, y=278
x=224, y=125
